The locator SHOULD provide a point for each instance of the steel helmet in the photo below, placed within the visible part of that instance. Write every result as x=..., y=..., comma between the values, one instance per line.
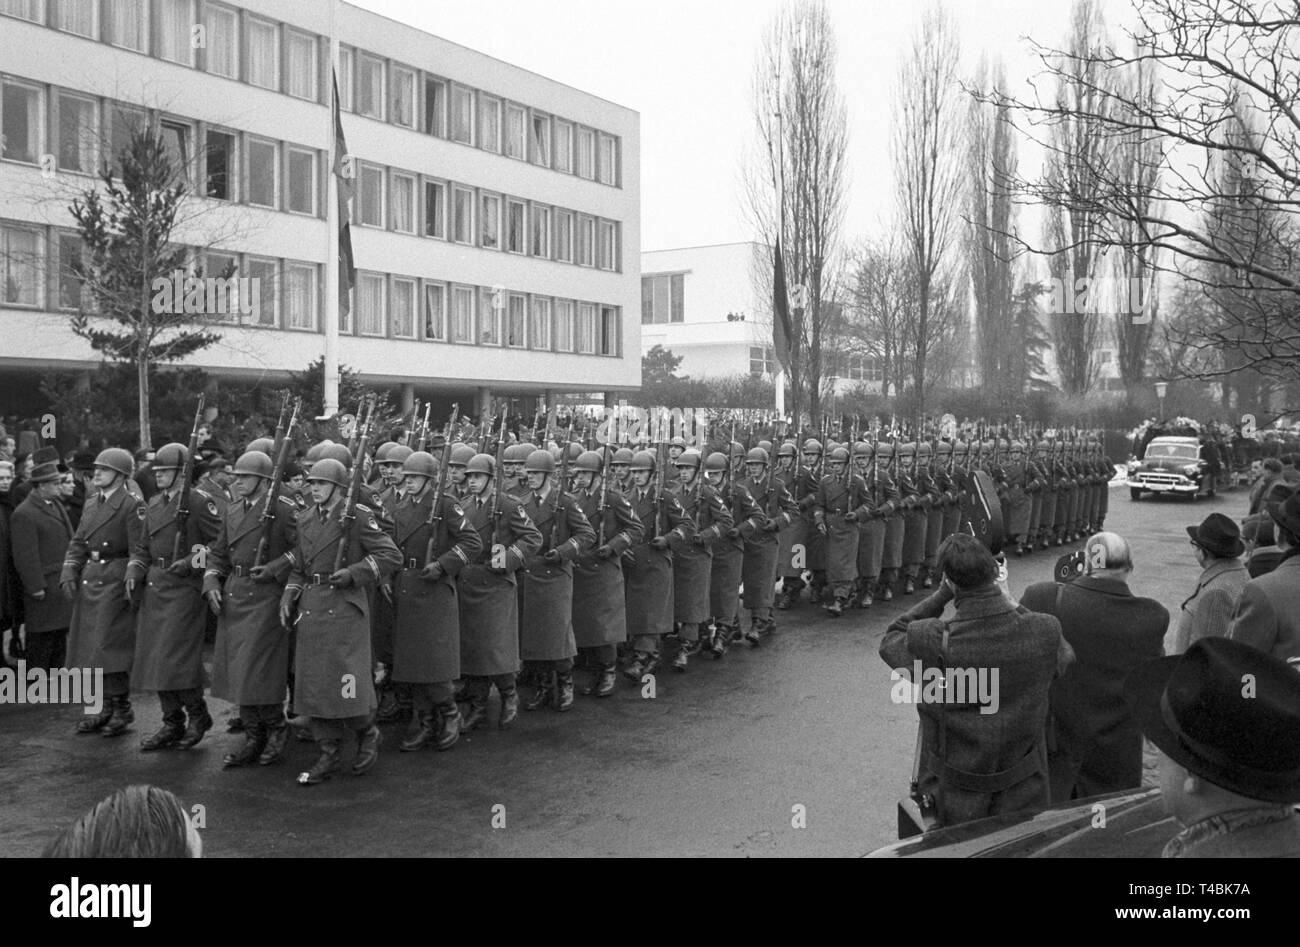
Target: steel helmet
x=838, y=455
x=812, y=446
x=265, y=444
x=831, y=445
x=526, y=448
x=331, y=451
x=116, y=459
x=421, y=464
x=643, y=460
x=737, y=449
x=861, y=449
x=588, y=461
x=314, y=452
x=540, y=461
x=622, y=456
x=717, y=461
x=171, y=457
x=575, y=451
x=943, y=448
x=329, y=470
x=383, y=450
x=1017, y=447
x=460, y=455
x=884, y=450
x=787, y=449
x=678, y=442
x=924, y=449
x=254, y=463
x=397, y=454
x=960, y=450
x=688, y=458
x=990, y=446
x=756, y=455
x=482, y=464
x=511, y=455
x=1004, y=445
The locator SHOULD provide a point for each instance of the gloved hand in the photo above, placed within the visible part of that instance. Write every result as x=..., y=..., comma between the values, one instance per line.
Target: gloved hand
x=659, y=542
x=386, y=590
x=432, y=572
x=821, y=528
x=214, y=601
x=733, y=533
x=287, y=601
x=772, y=525
x=699, y=540
x=181, y=568
x=851, y=516
x=552, y=556
x=341, y=579
x=261, y=574
x=605, y=551
x=131, y=584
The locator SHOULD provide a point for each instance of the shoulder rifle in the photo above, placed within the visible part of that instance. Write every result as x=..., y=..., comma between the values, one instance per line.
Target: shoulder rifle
x=183, y=477
x=440, y=487
x=273, y=488
x=354, y=481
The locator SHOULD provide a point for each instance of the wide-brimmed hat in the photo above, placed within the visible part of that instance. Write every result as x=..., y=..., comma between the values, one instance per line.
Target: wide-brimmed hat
x=1219, y=536
x=1287, y=514
x=1227, y=712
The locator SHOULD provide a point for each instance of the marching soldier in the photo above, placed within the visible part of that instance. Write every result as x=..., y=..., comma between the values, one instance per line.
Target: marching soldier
x=794, y=536
x=841, y=502
x=914, y=516
x=394, y=703
x=949, y=500
x=621, y=470
x=676, y=447
x=243, y=583
x=707, y=520
x=1015, y=473
x=648, y=576
x=891, y=559
x=1047, y=519
x=546, y=641
x=729, y=552
x=777, y=510
x=871, y=529
x=456, y=467
x=599, y=609
x=806, y=497
x=512, y=471
x=1064, y=485
x=426, y=619
x=172, y=617
x=487, y=592
x=95, y=578
x=932, y=500
x=389, y=459
x=334, y=685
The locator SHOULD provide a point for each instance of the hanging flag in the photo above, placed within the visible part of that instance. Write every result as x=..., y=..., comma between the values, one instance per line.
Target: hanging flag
x=782, y=331
x=346, y=188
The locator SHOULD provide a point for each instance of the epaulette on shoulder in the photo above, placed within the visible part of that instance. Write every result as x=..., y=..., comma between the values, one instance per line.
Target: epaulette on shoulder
x=204, y=493
x=287, y=501
x=362, y=508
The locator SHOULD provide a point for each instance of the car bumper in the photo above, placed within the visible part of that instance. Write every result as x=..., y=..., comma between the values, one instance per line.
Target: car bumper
x=1164, y=486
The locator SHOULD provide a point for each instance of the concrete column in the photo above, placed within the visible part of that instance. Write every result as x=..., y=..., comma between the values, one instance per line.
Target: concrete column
x=407, y=398
x=483, y=402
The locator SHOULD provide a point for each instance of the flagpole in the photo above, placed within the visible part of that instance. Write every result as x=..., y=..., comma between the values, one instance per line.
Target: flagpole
x=331, y=307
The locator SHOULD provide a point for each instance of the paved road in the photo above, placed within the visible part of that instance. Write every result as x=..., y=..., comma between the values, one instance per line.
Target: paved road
x=714, y=765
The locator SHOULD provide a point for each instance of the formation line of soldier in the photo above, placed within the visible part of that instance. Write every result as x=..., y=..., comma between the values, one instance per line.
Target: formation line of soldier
x=464, y=568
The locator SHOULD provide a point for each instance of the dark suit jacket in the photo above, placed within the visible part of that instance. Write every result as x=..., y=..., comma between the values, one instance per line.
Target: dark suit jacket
x=1098, y=745
x=41, y=533
x=987, y=632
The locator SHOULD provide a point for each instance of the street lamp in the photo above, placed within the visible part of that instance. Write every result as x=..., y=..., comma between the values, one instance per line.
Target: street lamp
x=1161, y=388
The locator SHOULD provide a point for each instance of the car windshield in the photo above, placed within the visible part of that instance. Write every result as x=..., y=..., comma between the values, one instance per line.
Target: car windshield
x=1177, y=451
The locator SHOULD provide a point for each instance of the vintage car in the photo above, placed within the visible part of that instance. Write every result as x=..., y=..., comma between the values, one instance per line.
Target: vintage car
x=1172, y=465
x=1129, y=824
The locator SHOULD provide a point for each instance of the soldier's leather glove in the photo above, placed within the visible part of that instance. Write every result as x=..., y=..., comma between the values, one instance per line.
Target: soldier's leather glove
x=261, y=574
x=605, y=551
x=699, y=540
x=821, y=528
x=659, y=542
x=772, y=525
x=341, y=579
x=181, y=567
x=552, y=556
x=432, y=572
x=386, y=590
x=733, y=533
x=287, y=601
x=214, y=601
x=851, y=516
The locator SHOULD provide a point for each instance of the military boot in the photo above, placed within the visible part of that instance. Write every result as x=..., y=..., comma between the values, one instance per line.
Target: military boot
x=420, y=733
x=542, y=691
x=326, y=765
x=864, y=595
x=718, y=643
x=476, y=695
x=837, y=606
x=387, y=711
x=200, y=722
x=368, y=741
x=563, y=690
x=122, y=718
x=277, y=735
x=909, y=585
x=637, y=668
x=786, y=599
x=597, y=672
x=448, y=726
x=887, y=590
x=168, y=735
x=608, y=677
x=509, y=707
x=98, y=721
x=928, y=581
x=254, y=743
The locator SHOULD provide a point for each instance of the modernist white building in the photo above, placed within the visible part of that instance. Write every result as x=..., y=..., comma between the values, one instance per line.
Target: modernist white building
x=703, y=303
x=472, y=175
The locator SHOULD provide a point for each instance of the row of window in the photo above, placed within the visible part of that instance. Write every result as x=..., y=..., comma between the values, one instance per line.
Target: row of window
x=236, y=166
x=383, y=305
x=762, y=361
x=234, y=43
x=662, y=298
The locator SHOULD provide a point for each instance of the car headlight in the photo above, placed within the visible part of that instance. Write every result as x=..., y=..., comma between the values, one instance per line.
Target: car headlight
x=1191, y=470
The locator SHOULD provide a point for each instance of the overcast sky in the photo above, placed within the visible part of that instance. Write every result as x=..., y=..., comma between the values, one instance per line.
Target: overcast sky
x=686, y=67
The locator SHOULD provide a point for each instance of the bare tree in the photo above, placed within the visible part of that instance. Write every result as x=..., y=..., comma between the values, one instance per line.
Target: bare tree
x=877, y=274
x=795, y=183
x=926, y=140
x=1214, y=61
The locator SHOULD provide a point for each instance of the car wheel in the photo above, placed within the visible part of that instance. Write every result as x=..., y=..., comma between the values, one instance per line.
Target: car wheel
x=1134, y=493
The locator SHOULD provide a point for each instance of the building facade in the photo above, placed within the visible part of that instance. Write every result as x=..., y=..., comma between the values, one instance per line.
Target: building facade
x=495, y=222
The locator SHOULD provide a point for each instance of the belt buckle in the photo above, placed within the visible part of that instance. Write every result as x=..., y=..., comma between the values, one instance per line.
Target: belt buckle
x=238, y=572
x=316, y=578
x=160, y=562
x=94, y=556
x=412, y=564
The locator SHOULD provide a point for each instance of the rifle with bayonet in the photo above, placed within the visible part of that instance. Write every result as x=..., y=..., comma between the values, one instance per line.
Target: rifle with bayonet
x=354, y=482
x=604, y=491
x=423, y=441
x=356, y=428
x=435, y=517
x=495, y=509
x=279, y=427
x=273, y=488
x=184, y=476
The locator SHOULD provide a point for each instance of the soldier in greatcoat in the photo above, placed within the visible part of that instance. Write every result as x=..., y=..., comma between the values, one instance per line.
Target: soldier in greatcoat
x=243, y=582
x=648, y=566
x=1047, y=516
x=707, y=521
x=871, y=528
x=599, y=608
x=1015, y=476
x=546, y=640
x=95, y=578
x=394, y=702
x=487, y=593
x=172, y=618
x=40, y=531
x=841, y=501
x=729, y=552
x=777, y=510
x=932, y=501
x=944, y=461
x=334, y=686
x=913, y=502
x=793, y=539
x=425, y=612
x=891, y=560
